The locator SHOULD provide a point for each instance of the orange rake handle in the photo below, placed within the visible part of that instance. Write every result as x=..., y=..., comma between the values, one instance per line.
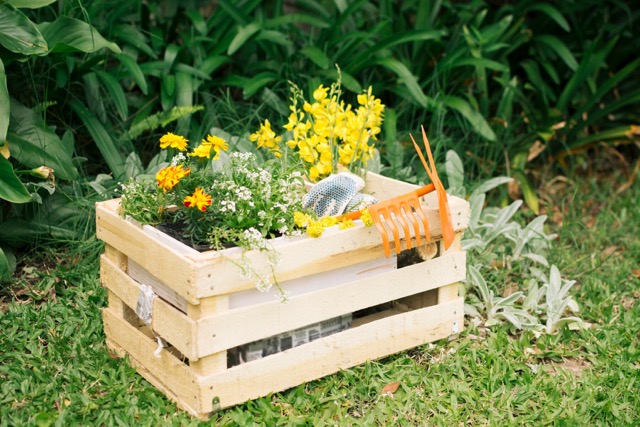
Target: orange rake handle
x=419, y=193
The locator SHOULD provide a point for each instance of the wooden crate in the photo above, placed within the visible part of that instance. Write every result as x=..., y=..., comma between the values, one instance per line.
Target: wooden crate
x=205, y=308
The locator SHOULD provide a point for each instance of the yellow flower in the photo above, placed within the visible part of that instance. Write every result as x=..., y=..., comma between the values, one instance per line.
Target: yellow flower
x=347, y=223
x=173, y=141
x=203, y=151
x=366, y=218
x=301, y=219
x=315, y=229
x=320, y=93
x=266, y=137
x=199, y=200
x=168, y=177
x=328, y=221
x=217, y=144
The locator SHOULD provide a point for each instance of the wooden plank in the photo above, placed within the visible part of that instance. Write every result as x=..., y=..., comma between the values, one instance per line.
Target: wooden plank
x=241, y=326
x=168, y=265
x=166, y=372
x=168, y=322
x=141, y=275
x=331, y=354
x=302, y=257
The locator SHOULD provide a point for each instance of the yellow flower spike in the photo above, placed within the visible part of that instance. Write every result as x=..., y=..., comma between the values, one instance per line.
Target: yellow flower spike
x=315, y=229
x=320, y=93
x=366, y=218
x=173, y=141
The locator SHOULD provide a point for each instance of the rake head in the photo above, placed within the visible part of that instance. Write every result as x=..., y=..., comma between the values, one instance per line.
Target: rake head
x=406, y=211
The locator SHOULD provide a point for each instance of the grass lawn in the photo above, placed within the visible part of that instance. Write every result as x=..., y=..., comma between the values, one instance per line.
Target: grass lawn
x=56, y=370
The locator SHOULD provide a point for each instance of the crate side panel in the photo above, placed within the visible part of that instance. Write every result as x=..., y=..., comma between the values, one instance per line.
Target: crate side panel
x=166, y=372
x=168, y=265
x=328, y=355
x=240, y=326
x=167, y=321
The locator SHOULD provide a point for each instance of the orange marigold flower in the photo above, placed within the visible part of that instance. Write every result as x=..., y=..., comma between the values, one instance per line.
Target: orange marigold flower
x=173, y=141
x=199, y=200
x=168, y=177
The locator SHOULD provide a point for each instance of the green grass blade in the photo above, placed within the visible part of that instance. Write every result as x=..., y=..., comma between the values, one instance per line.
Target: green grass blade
x=591, y=61
x=479, y=124
x=113, y=157
x=316, y=56
x=135, y=72
x=559, y=48
x=116, y=93
x=551, y=12
x=257, y=82
x=243, y=35
x=406, y=78
x=296, y=19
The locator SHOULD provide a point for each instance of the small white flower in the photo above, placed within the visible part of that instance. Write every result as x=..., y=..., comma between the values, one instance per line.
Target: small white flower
x=177, y=159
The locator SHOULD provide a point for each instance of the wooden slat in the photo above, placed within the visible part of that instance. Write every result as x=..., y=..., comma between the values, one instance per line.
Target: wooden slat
x=244, y=325
x=331, y=354
x=168, y=322
x=166, y=372
x=168, y=265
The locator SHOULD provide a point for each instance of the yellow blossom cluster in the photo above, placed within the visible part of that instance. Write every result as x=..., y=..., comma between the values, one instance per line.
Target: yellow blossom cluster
x=327, y=131
x=168, y=177
x=315, y=228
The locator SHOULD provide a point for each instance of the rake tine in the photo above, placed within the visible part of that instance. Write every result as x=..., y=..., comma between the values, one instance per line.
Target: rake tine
x=408, y=209
x=375, y=216
x=423, y=218
x=400, y=217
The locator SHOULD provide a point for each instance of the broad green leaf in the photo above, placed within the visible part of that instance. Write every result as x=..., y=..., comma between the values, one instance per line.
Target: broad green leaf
x=552, y=13
x=489, y=185
x=198, y=21
x=18, y=34
x=135, y=71
x=257, y=82
x=212, y=63
x=479, y=124
x=115, y=92
x=5, y=268
x=107, y=146
x=406, y=78
x=316, y=56
x=33, y=144
x=168, y=91
x=348, y=81
x=480, y=62
x=30, y=4
x=134, y=37
x=560, y=48
x=160, y=120
x=11, y=188
x=67, y=34
x=244, y=34
x=184, y=98
x=4, y=105
x=276, y=37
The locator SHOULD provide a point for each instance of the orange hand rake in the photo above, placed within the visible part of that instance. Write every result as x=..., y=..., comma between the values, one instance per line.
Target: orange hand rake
x=407, y=209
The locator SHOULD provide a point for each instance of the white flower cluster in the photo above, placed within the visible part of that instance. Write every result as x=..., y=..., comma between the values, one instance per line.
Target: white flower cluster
x=228, y=206
x=253, y=238
x=178, y=158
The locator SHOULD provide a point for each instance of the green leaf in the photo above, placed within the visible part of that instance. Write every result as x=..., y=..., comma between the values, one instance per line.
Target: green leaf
x=406, y=78
x=198, y=21
x=213, y=62
x=296, y=18
x=33, y=144
x=244, y=34
x=18, y=34
x=560, y=48
x=256, y=83
x=115, y=92
x=4, y=105
x=11, y=188
x=107, y=146
x=160, y=120
x=30, y=4
x=316, y=56
x=479, y=124
x=552, y=13
x=528, y=193
x=480, y=62
x=135, y=71
x=67, y=34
